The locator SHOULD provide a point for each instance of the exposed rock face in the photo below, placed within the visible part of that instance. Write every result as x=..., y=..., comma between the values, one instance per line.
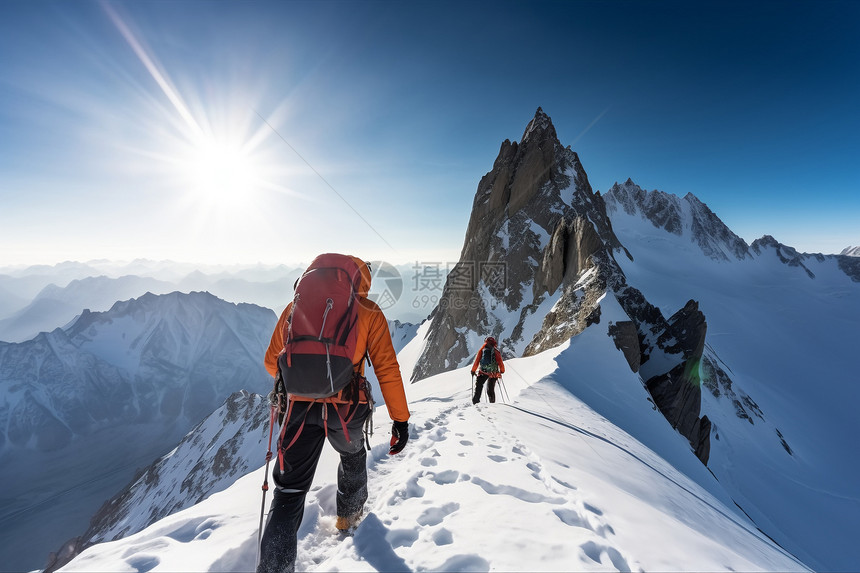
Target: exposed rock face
x=787, y=255
x=626, y=339
x=850, y=265
x=848, y=262
x=850, y=252
x=538, y=258
x=702, y=448
x=718, y=382
x=678, y=392
x=535, y=222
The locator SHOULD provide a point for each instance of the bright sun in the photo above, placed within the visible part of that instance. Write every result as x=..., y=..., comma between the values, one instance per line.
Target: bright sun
x=221, y=173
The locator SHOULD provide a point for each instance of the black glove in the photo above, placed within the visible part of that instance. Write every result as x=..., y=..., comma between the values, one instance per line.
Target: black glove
x=399, y=437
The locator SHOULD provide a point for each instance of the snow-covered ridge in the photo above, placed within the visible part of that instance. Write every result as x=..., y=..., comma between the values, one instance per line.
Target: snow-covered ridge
x=546, y=482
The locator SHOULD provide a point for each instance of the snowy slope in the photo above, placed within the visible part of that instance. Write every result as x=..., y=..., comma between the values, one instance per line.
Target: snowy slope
x=82, y=409
x=547, y=482
x=224, y=446
x=784, y=327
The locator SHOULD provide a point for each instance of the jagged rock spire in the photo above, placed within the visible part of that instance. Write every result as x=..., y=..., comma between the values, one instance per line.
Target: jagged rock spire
x=538, y=257
x=540, y=128
x=535, y=224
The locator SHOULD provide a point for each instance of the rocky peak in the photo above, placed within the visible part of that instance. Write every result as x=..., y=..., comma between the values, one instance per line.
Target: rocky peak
x=535, y=224
x=786, y=255
x=847, y=263
x=682, y=217
x=850, y=252
x=662, y=209
x=539, y=129
x=766, y=241
x=538, y=258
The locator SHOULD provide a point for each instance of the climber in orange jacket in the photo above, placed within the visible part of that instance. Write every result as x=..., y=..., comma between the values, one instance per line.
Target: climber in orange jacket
x=307, y=428
x=489, y=367
x=373, y=337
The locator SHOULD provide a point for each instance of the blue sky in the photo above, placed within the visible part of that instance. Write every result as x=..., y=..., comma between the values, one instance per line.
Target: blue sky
x=254, y=131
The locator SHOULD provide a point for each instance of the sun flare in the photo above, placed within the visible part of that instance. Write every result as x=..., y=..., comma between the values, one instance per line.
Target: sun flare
x=221, y=173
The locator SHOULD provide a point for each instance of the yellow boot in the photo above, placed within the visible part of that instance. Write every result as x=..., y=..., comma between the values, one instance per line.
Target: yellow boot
x=347, y=523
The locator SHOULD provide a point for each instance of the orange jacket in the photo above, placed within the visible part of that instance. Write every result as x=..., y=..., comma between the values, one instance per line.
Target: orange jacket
x=373, y=337
x=477, y=364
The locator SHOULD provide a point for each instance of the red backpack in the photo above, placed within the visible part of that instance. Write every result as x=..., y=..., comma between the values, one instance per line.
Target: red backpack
x=320, y=334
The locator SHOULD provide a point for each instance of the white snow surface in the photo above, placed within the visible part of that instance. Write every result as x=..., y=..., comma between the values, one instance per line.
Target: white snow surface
x=788, y=341
x=551, y=480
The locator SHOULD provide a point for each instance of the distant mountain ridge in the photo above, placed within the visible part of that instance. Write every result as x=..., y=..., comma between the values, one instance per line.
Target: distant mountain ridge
x=56, y=306
x=152, y=344
x=686, y=216
x=40, y=299
x=112, y=391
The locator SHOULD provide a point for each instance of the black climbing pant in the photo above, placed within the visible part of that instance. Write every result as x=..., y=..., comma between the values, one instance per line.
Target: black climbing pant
x=278, y=546
x=479, y=386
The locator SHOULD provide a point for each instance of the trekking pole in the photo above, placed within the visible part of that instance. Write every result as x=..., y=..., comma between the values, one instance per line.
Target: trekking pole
x=272, y=416
x=505, y=396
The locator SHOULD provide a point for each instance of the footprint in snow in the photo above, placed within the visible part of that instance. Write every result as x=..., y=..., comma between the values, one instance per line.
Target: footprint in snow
x=154, y=546
x=401, y=537
x=595, y=553
x=445, y=477
x=144, y=563
x=373, y=546
x=409, y=490
x=438, y=435
x=443, y=537
x=575, y=518
x=592, y=509
x=466, y=562
x=435, y=515
x=198, y=528
x=519, y=493
x=563, y=483
x=572, y=518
